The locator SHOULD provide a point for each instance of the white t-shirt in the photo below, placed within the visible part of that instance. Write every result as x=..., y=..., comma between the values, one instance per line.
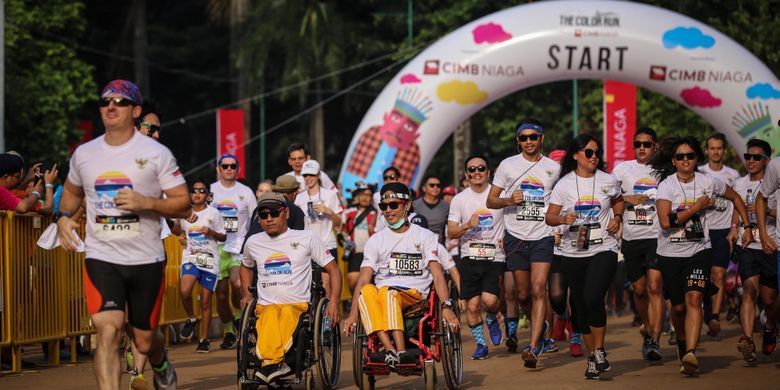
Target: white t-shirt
x=535, y=180
x=639, y=222
x=591, y=198
x=720, y=213
x=748, y=190
x=445, y=258
x=141, y=164
x=684, y=242
x=236, y=204
x=202, y=250
x=482, y=242
x=325, y=181
x=401, y=259
x=770, y=184
x=283, y=265
x=322, y=225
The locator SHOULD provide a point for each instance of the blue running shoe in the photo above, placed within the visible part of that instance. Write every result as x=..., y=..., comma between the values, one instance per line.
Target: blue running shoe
x=550, y=345
x=540, y=344
x=481, y=353
x=495, y=332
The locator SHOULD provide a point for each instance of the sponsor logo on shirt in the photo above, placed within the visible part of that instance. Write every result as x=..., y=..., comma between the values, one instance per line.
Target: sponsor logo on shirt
x=107, y=185
x=277, y=264
x=532, y=188
x=197, y=233
x=485, y=220
x=141, y=162
x=227, y=208
x=644, y=185
x=587, y=206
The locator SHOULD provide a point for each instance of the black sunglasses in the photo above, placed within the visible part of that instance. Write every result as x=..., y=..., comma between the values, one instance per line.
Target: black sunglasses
x=683, y=156
x=118, y=101
x=152, y=127
x=229, y=166
x=199, y=191
x=390, y=177
x=524, y=137
x=473, y=169
x=392, y=205
x=643, y=144
x=433, y=185
x=272, y=213
x=755, y=157
x=589, y=153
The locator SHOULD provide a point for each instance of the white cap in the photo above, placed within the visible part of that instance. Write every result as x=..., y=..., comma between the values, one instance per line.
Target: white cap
x=310, y=167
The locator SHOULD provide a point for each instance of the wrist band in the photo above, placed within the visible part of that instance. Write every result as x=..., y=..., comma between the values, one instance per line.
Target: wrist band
x=36, y=193
x=49, y=185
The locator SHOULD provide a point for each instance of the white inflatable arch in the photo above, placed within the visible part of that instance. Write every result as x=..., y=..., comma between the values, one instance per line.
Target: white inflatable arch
x=538, y=43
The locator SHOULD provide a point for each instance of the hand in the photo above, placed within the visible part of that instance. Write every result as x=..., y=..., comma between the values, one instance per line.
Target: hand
x=614, y=225
x=704, y=202
x=450, y=319
x=319, y=207
x=517, y=197
x=68, y=240
x=768, y=244
x=558, y=237
x=183, y=240
x=747, y=237
x=473, y=222
x=35, y=169
x=350, y=325
x=751, y=208
x=334, y=312
x=569, y=218
x=636, y=200
x=129, y=200
x=732, y=237
x=50, y=176
x=462, y=305
x=245, y=298
x=193, y=217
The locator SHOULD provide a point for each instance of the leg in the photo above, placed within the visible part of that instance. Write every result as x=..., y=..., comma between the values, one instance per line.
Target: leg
x=522, y=280
x=656, y=307
x=235, y=289
x=109, y=326
x=205, y=313
x=223, y=303
x=511, y=312
x=185, y=288
x=642, y=300
x=599, y=273
x=558, y=290
x=538, y=284
x=718, y=275
x=747, y=312
x=693, y=318
x=574, y=274
x=393, y=302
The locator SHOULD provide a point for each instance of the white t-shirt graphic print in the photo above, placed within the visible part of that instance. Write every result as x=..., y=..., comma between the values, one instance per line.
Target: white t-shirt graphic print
x=201, y=250
x=640, y=221
x=236, y=205
x=483, y=241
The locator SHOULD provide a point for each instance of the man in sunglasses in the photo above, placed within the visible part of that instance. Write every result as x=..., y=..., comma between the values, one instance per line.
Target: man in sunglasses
x=235, y=202
x=522, y=187
x=403, y=260
x=288, y=187
x=640, y=239
x=390, y=175
x=123, y=175
x=719, y=220
x=296, y=156
x=149, y=121
x=432, y=207
x=282, y=258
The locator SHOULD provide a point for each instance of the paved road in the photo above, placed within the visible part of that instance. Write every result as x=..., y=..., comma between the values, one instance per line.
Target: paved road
x=720, y=365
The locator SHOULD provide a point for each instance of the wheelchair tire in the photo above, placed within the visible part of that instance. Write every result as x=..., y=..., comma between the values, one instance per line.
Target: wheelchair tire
x=452, y=354
x=327, y=352
x=243, y=345
x=362, y=380
x=429, y=374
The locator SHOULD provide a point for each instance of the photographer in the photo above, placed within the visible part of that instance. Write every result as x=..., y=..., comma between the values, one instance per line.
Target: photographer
x=11, y=169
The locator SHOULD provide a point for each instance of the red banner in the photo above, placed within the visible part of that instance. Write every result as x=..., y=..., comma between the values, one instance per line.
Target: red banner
x=619, y=122
x=230, y=136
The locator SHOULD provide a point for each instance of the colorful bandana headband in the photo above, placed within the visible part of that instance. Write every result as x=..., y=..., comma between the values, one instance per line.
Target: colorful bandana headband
x=396, y=196
x=124, y=88
x=396, y=191
x=526, y=126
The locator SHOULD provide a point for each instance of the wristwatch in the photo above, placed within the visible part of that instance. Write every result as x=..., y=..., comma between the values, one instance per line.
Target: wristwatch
x=448, y=304
x=59, y=214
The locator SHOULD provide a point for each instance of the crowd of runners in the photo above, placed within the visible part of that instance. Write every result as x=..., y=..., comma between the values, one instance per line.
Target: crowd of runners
x=535, y=242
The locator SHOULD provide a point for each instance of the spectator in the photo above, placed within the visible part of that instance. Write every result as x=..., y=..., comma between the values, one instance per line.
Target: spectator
x=448, y=193
x=11, y=168
x=148, y=123
x=390, y=175
x=263, y=187
x=432, y=207
x=358, y=225
x=297, y=154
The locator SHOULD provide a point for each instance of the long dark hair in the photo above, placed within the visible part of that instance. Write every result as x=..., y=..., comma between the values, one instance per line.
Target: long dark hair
x=579, y=142
x=662, y=161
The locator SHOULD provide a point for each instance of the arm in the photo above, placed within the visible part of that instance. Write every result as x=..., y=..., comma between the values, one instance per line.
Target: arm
x=767, y=243
x=366, y=273
x=664, y=215
x=739, y=206
x=176, y=229
x=246, y=274
x=618, y=207
x=29, y=201
x=69, y=203
x=553, y=216
x=220, y=237
x=175, y=205
x=443, y=292
x=48, y=179
x=494, y=201
x=456, y=230
x=334, y=308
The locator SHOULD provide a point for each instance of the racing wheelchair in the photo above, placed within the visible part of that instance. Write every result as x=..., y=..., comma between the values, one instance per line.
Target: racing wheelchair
x=426, y=338
x=316, y=348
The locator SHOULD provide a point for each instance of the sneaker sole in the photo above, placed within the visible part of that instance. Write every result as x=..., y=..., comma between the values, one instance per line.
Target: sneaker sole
x=529, y=359
x=479, y=357
x=748, y=351
x=511, y=345
x=689, y=367
x=654, y=356
x=201, y=351
x=139, y=384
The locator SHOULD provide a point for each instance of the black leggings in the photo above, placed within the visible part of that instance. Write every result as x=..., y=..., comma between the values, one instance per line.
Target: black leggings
x=559, y=291
x=589, y=279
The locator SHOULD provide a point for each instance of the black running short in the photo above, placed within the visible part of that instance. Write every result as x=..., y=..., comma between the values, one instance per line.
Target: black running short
x=754, y=262
x=640, y=256
x=684, y=274
x=478, y=276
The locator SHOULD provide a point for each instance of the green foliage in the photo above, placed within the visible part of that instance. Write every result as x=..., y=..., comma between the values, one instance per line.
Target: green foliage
x=46, y=84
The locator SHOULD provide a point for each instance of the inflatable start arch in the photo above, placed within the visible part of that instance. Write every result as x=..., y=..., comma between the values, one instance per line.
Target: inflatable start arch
x=538, y=43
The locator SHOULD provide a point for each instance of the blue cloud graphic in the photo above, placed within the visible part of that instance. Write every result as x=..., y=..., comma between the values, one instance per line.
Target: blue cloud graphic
x=687, y=37
x=762, y=91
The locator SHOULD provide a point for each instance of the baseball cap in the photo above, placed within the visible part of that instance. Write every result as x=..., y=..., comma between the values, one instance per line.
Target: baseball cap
x=557, y=155
x=528, y=125
x=125, y=89
x=271, y=200
x=10, y=163
x=397, y=191
x=310, y=167
x=449, y=190
x=286, y=183
x=227, y=155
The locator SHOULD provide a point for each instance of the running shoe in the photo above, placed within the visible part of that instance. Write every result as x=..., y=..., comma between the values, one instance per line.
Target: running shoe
x=204, y=346
x=530, y=357
x=279, y=370
x=129, y=358
x=559, y=329
x=405, y=357
x=138, y=381
x=550, y=345
x=654, y=352
x=511, y=344
x=747, y=348
x=495, y=332
x=672, y=337
x=590, y=371
x=714, y=326
x=229, y=342
x=645, y=348
x=575, y=348
x=481, y=353
x=642, y=330
x=388, y=357
x=165, y=380
x=690, y=363
x=600, y=357
x=188, y=329
x=769, y=340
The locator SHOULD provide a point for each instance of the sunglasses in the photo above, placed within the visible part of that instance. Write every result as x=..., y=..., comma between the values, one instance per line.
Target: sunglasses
x=473, y=169
x=643, y=144
x=152, y=127
x=391, y=205
x=524, y=137
x=434, y=185
x=118, y=101
x=229, y=166
x=755, y=157
x=199, y=191
x=683, y=156
x=272, y=213
x=589, y=153
x=390, y=177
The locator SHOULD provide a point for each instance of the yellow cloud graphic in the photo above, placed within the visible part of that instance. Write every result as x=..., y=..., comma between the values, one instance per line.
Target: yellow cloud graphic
x=461, y=92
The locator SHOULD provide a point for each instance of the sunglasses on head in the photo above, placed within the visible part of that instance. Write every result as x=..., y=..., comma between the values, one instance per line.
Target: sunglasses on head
x=118, y=101
x=683, y=156
x=391, y=205
x=481, y=168
x=755, y=157
x=229, y=166
x=390, y=177
x=273, y=213
x=643, y=144
x=589, y=153
x=199, y=191
x=152, y=127
x=526, y=137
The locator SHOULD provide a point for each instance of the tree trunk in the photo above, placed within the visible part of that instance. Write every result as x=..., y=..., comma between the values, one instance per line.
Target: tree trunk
x=461, y=143
x=317, y=129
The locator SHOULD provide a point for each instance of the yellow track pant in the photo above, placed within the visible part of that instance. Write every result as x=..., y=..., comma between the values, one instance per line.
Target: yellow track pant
x=275, y=327
x=380, y=308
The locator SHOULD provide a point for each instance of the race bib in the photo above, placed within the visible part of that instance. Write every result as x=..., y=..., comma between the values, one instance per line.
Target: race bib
x=231, y=224
x=482, y=251
x=202, y=259
x=121, y=227
x=640, y=215
x=720, y=204
x=586, y=235
x=692, y=232
x=406, y=264
x=530, y=211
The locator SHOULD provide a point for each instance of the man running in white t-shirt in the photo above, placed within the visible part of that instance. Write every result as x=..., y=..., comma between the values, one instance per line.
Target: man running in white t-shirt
x=123, y=175
x=235, y=202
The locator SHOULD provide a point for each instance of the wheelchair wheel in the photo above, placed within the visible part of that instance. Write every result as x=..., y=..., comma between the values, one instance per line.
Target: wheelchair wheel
x=362, y=380
x=452, y=354
x=429, y=374
x=245, y=347
x=454, y=296
x=327, y=348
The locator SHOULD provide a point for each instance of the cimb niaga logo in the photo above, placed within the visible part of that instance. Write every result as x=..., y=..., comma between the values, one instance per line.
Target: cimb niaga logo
x=662, y=73
x=431, y=67
x=658, y=72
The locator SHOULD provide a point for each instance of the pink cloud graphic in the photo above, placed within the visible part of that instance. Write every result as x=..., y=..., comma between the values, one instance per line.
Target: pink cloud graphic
x=490, y=33
x=699, y=97
x=410, y=78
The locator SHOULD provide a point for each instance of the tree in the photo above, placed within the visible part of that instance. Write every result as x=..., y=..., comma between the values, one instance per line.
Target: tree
x=46, y=83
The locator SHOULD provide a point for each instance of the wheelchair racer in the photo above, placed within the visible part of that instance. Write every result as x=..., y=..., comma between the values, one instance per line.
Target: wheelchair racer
x=283, y=260
x=403, y=260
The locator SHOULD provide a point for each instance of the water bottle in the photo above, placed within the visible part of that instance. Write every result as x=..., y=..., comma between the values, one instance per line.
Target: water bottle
x=751, y=199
